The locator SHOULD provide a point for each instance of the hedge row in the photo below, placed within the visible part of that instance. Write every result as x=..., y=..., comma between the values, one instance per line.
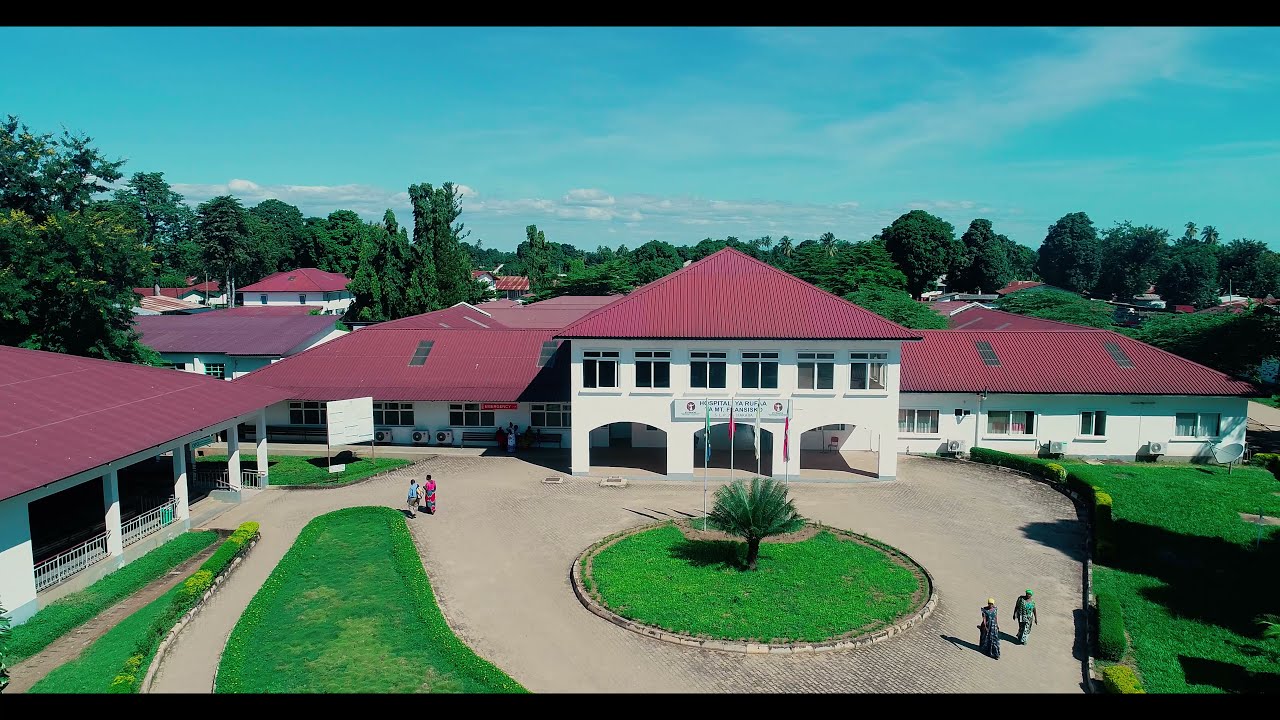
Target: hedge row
x=1112, y=643
x=1052, y=472
x=1121, y=680
x=189, y=593
x=1269, y=461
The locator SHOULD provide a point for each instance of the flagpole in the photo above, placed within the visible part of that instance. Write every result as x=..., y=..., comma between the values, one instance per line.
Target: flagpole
x=757, y=438
x=706, y=457
x=786, y=446
x=731, y=428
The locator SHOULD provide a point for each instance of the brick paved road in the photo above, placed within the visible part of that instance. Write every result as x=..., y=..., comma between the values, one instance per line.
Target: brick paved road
x=500, y=550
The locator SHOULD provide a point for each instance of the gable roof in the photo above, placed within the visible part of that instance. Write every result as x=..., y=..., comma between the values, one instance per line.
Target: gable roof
x=164, y=292
x=62, y=414
x=1076, y=361
x=731, y=295
x=1017, y=285
x=164, y=303
x=984, y=318
x=300, y=280
x=234, y=334
x=512, y=282
x=947, y=308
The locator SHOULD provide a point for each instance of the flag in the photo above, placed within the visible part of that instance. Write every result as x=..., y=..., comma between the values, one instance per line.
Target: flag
x=730, y=423
x=706, y=438
x=786, y=434
x=757, y=446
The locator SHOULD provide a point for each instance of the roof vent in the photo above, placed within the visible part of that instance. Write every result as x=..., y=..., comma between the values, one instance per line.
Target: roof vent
x=293, y=277
x=420, y=355
x=1117, y=354
x=988, y=354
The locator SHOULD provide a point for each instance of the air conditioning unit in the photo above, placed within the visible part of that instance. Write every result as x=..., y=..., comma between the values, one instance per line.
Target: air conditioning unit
x=382, y=435
x=1155, y=448
x=444, y=437
x=421, y=437
x=955, y=446
x=1058, y=447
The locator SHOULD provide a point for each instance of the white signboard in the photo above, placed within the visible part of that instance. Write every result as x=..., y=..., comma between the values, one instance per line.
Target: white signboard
x=744, y=409
x=350, y=421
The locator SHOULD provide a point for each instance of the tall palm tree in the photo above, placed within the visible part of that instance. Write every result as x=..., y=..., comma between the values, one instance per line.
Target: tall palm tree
x=1209, y=235
x=828, y=241
x=754, y=513
x=785, y=246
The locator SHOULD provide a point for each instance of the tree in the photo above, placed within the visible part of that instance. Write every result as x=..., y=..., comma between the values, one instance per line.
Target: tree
x=1051, y=304
x=923, y=246
x=1209, y=235
x=163, y=223
x=828, y=241
x=1233, y=343
x=1250, y=268
x=653, y=260
x=785, y=246
x=1135, y=260
x=40, y=176
x=754, y=512
x=451, y=265
x=1189, y=236
x=278, y=231
x=616, y=277
x=1071, y=253
x=223, y=234
x=1190, y=277
x=897, y=305
x=344, y=232
x=537, y=258
x=1022, y=260
x=983, y=264
x=421, y=295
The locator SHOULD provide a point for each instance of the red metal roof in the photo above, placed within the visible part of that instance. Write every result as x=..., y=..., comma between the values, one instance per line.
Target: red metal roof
x=260, y=310
x=512, y=282
x=218, y=332
x=1184, y=308
x=300, y=280
x=1017, y=285
x=473, y=365
x=162, y=303
x=212, y=287
x=1066, y=362
x=61, y=414
x=459, y=317
x=729, y=294
x=946, y=308
x=981, y=318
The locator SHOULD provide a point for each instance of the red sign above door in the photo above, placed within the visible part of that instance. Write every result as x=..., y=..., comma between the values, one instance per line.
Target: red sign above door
x=499, y=406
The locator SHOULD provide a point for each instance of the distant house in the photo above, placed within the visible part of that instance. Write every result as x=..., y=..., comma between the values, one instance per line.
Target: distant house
x=1018, y=285
x=509, y=287
x=1149, y=299
x=228, y=344
x=165, y=305
x=206, y=293
x=966, y=297
x=304, y=286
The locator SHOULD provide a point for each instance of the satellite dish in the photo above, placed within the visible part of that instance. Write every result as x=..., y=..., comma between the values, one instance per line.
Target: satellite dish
x=1229, y=453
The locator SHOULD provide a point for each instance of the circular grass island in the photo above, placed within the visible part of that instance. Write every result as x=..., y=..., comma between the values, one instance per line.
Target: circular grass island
x=814, y=589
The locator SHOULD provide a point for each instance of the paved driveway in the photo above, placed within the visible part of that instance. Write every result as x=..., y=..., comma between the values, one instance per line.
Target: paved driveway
x=500, y=549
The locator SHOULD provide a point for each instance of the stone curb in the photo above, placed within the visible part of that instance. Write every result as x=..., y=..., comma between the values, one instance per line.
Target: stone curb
x=596, y=608
x=1092, y=677
x=339, y=486
x=172, y=636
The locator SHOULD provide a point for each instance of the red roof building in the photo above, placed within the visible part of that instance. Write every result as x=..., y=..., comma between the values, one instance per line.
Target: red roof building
x=707, y=299
x=302, y=280
x=511, y=282
x=984, y=318
x=228, y=333
x=1017, y=285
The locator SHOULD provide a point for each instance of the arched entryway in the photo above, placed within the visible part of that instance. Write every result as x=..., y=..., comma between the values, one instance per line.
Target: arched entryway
x=839, y=451
x=743, y=457
x=628, y=449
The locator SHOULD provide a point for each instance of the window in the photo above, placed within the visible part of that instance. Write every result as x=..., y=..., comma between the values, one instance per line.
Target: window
x=308, y=413
x=302, y=299
x=838, y=427
x=866, y=370
x=919, y=422
x=178, y=366
x=469, y=415
x=707, y=369
x=987, y=354
x=1093, y=423
x=599, y=369
x=817, y=370
x=389, y=413
x=218, y=370
x=421, y=353
x=546, y=357
x=760, y=370
x=1198, y=425
x=1011, y=422
x=262, y=299
x=653, y=368
x=550, y=415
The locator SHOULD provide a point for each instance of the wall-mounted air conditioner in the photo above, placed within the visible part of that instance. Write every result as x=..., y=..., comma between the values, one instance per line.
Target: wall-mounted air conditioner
x=421, y=437
x=382, y=435
x=1058, y=447
x=955, y=446
x=444, y=437
x=1155, y=447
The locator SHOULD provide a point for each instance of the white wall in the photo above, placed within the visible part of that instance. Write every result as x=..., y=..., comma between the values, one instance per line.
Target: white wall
x=17, y=579
x=872, y=413
x=1132, y=422
x=235, y=365
x=331, y=302
x=434, y=416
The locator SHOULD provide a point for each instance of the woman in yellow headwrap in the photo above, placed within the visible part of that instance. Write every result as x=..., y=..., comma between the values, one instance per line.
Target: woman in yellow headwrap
x=989, y=631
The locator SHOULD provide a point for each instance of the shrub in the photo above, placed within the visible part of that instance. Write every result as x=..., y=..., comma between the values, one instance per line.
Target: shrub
x=1269, y=461
x=754, y=512
x=1121, y=680
x=1112, y=642
x=1052, y=472
x=1059, y=473
x=227, y=552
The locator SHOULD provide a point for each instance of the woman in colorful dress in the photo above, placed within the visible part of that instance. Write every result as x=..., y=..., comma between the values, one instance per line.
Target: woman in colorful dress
x=989, y=639
x=429, y=495
x=1025, y=613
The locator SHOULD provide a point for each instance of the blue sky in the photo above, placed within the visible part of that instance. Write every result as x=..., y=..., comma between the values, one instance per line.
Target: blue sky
x=622, y=135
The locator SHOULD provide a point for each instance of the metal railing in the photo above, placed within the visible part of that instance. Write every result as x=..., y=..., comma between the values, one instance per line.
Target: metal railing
x=148, y=522
x=252, y=479
x=64, y=565
x=216, y=479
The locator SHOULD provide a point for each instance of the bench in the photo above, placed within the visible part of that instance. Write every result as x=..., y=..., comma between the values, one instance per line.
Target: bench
x=480, y=437
x=541, y=438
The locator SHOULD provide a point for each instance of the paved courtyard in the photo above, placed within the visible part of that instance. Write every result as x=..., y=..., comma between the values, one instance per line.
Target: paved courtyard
x=500, y=549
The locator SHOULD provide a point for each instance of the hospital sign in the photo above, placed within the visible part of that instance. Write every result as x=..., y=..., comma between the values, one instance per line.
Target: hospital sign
x=744, y=409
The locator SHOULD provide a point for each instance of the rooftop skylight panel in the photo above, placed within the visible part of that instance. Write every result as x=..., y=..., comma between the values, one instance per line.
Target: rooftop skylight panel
x=421, y=353
x=987, y=353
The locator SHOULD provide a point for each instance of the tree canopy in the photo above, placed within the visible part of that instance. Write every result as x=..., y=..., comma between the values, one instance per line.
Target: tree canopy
x=1051, y=304
x=896, y=305
x=924, y=247
x=1071, y=254
x=982, y=263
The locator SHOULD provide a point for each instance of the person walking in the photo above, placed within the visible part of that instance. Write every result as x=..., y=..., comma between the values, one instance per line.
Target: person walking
x=413, y=496
x=429, y=495
x=511, y=438
x=1024, y=611
x=989, y=631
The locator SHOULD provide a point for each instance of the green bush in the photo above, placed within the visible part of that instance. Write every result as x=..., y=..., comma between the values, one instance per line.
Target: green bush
x=1059, y=473
x=1112, y=643
x=227, y=552
x=1052, y=472
x=1121, y=680
x=1269, y=461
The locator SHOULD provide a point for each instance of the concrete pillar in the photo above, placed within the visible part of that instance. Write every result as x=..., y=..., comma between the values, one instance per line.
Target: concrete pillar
x=680, y=465
x=888, y=456
x=183, y=510
x=260, y=432
x=233, y=457
x=580, y=450
x=111, y=499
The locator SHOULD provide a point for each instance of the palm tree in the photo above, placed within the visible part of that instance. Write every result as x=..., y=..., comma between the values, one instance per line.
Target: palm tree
x=754, y=513
x=1209, y=235
x=828, y=241
x=785, y=247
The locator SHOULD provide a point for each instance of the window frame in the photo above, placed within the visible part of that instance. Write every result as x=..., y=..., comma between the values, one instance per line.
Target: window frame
x=759, y=359
x=262, y=299
x=402, y=412
x=561, y=412
x=471, y=416
x=652, y=359
x=1096, y=429
x=594, y=359
x=914, y=423
x=817, y=359
x=222, y=370
x=302, y=298
x=869, y=361
x=1028, y=420
x=305, y=408
x=708, y=359
x=1200, y=425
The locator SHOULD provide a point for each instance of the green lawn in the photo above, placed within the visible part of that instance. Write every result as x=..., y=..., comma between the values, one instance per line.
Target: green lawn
x=350, y=609
x=1187, y=574
x=295, y=470
x=74, y=610
x=806, y=591
x=1273, y=401
x=98, y=666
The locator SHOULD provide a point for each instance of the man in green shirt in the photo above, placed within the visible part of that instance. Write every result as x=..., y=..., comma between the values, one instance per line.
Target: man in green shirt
x=1024, y=611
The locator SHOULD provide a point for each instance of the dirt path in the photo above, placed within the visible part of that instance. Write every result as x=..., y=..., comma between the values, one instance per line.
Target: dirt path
x=27, y=673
